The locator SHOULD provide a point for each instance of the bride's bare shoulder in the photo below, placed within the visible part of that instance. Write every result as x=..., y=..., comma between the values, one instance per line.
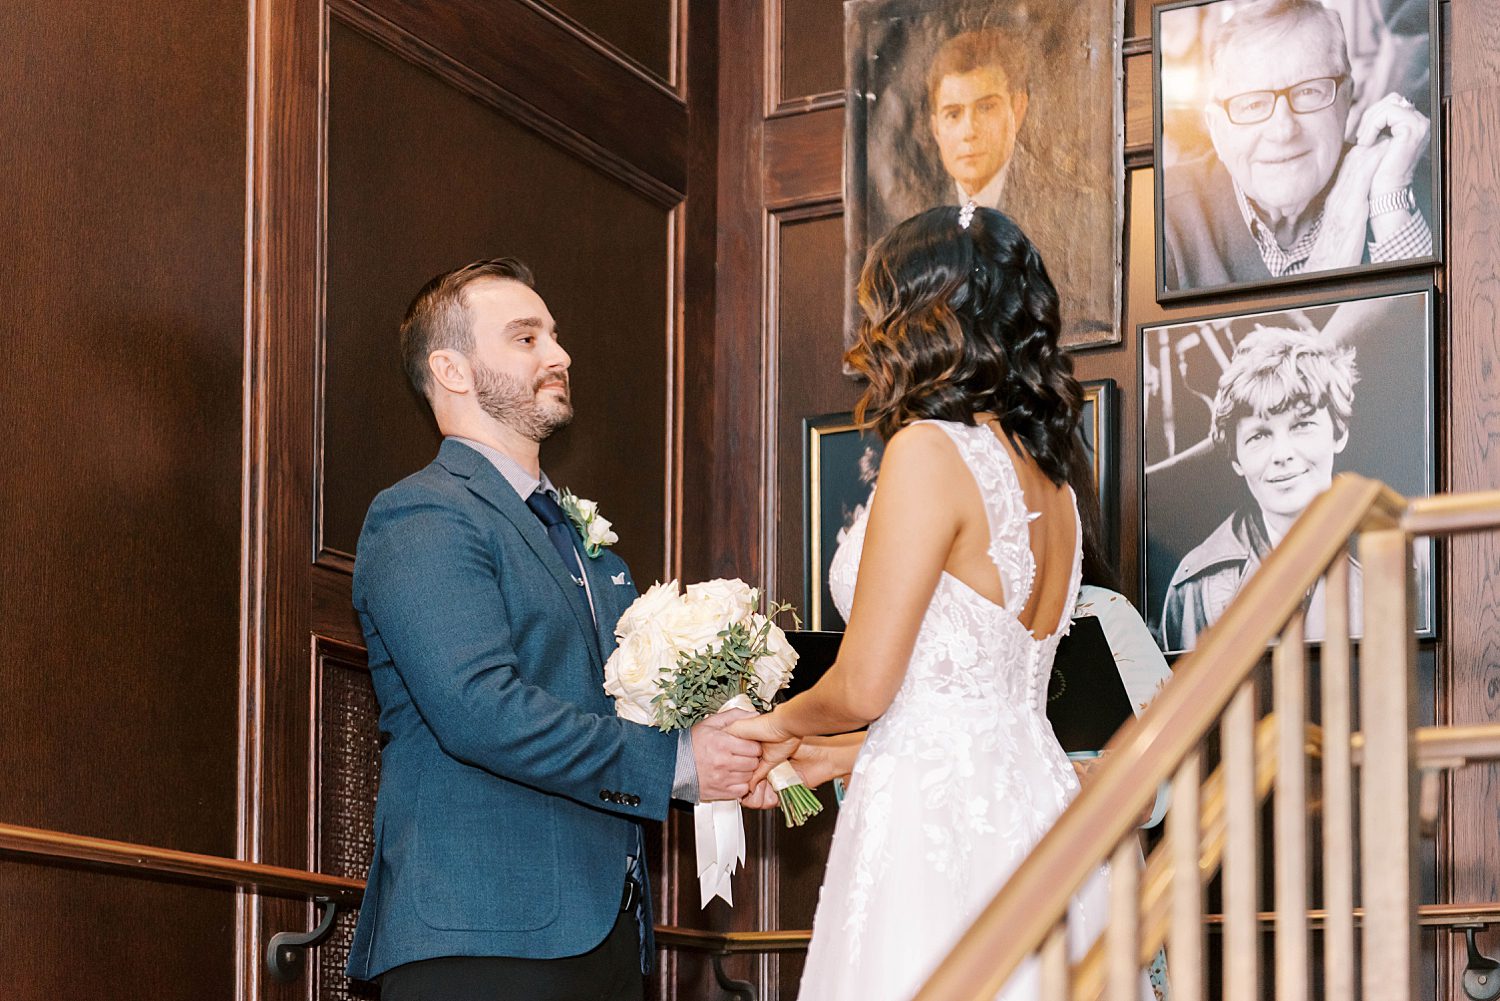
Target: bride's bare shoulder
x=916, y=449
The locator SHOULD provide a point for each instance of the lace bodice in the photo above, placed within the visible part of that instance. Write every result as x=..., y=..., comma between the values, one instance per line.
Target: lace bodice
x=958, y=779
x=968, y=645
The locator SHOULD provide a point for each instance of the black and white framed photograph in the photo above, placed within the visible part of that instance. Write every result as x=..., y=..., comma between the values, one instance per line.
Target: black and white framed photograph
x=1247, y=417
x=1101, y=436
x=1012, y=104
x=840, y=463
x=1294, y=139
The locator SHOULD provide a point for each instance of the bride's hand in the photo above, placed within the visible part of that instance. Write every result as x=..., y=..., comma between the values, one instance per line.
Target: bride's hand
x=776, y=745
x=760, y=797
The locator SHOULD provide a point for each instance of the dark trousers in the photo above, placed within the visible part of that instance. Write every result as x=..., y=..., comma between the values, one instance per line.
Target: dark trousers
x=611, y=971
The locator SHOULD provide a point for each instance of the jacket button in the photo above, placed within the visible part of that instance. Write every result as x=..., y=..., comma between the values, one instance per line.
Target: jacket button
x=635, y=801
x=604, y=795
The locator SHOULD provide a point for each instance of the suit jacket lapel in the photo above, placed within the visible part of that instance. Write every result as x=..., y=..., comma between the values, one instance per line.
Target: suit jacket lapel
x=487, y=483
x=604, y=604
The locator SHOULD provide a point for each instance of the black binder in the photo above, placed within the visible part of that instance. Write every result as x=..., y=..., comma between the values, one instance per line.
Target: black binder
x=1086, y=700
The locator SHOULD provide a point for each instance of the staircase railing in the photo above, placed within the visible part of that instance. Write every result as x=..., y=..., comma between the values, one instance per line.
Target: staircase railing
x=1213, y=713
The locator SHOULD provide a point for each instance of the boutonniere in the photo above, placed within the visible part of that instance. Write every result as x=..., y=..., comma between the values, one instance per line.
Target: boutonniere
x=584, y=514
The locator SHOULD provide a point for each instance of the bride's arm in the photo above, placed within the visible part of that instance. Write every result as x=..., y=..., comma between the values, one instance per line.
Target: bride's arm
x=819, y=759
x=914, y=519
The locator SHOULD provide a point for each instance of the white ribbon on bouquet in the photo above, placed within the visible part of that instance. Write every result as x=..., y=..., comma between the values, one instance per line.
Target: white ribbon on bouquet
x=719, y=834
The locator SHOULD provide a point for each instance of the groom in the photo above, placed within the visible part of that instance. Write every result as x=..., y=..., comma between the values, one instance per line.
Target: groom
x=508, y=845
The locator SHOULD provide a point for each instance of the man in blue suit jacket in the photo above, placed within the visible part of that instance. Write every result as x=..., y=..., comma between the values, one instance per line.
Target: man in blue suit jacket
x=508, y=847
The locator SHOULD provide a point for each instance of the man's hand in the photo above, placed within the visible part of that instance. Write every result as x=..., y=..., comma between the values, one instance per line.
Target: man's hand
x=725, y=763
x=1401, y=150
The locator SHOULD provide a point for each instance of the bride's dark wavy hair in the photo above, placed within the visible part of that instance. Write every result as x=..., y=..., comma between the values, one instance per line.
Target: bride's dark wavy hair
x=963, y=320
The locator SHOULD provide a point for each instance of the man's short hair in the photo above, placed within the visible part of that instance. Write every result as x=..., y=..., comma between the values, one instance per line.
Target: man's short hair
x=438, y=318
x=1276, y=21
x=972, y=50
x=1275, y=369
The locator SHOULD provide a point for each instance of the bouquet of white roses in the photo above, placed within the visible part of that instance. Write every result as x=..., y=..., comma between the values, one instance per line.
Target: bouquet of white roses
x=683, y=657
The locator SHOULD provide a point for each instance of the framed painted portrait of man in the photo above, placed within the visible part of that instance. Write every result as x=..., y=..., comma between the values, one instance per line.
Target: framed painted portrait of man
x=1296, y=139
x=1010, y=104
x=1247, y=418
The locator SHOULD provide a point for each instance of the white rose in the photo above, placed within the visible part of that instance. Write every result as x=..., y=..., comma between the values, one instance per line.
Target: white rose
x=693, y=626
x=773, y=669
x=599, y=533
x=586, y=508
x=733, y=600
x=634, y=673
x=649, y=607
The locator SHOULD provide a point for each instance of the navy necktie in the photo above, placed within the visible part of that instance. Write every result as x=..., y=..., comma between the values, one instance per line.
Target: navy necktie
x=559, y=530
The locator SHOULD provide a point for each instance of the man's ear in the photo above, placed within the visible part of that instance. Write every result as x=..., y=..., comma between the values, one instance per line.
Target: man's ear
x=1239, y=470
x=1341, y=440
x=450, y=370
x=1018, y=106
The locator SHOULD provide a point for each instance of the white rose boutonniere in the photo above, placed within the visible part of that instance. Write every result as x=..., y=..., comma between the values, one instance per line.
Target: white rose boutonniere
x=584, y=514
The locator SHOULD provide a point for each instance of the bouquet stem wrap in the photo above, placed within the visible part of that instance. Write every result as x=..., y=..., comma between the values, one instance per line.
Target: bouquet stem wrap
x=719, y=833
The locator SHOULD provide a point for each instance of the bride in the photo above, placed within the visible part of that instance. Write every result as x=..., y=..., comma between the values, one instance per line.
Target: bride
x=961, y=575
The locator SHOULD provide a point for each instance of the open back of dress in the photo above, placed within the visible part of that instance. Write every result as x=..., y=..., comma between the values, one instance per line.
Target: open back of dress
x=958, y=780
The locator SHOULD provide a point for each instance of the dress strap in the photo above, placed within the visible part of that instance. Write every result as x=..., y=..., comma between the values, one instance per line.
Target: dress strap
x=990, y=464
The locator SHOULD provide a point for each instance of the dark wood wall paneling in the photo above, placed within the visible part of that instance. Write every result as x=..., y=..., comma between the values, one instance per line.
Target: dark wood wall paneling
x=458, y=131
x=644, y=31
x=423, y=178
x=806, y=31
x=540, y=72
x=175, y=641
x=123, y=139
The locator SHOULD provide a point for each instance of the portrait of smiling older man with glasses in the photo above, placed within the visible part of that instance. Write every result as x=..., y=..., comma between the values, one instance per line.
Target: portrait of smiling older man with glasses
x=1284, y=192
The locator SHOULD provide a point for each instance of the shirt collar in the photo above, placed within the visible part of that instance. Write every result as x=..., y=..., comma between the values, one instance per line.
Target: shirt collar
x=989, y=195
x=521, y=481
x=1279, y=260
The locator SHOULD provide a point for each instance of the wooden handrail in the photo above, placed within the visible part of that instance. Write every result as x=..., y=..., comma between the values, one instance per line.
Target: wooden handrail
x=1147, y=750
x=123, y=855
x=137, y=859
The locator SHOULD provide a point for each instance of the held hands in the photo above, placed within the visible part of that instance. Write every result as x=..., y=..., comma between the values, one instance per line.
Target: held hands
x=726, y=762
x=775, y=747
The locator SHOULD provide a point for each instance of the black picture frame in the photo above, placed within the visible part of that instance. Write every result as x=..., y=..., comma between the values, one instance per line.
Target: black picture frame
x=839, y=462
x=1066, y=178
x=1175, y=135
x=1188, y=485
x=1099, y=424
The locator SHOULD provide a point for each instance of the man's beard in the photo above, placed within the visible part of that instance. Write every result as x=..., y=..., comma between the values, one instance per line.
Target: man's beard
x=508, y=401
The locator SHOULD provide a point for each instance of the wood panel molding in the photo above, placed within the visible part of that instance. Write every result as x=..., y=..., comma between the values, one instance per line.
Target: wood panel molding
x=674, y=83
x=778, y=104
x=537, y=69
x=804, y=159
x=284, y=315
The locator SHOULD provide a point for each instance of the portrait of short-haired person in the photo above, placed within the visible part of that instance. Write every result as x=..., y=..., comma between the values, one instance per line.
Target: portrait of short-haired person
x=1281, y=416
x=977, y=99
x=1010, y=107
x=1298, y=179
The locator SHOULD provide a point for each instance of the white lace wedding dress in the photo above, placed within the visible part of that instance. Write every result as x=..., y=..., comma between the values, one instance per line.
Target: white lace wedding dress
x=957, y=781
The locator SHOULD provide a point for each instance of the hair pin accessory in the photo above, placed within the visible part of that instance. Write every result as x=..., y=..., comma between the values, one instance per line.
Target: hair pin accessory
x=966, y=214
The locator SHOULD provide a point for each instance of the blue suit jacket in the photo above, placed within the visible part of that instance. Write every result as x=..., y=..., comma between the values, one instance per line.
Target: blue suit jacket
x=510, y=792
